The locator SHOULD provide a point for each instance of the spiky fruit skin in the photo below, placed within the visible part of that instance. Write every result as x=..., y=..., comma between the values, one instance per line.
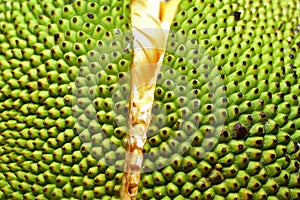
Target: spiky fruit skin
x=230, y=92
x=240, y=106
x=51, y=57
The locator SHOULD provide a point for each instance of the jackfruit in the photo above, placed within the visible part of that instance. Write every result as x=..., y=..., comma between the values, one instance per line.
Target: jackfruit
x=225, y=117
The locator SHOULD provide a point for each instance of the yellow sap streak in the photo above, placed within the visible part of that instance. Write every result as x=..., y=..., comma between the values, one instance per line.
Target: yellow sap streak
x=167, y=12
x=150, y=26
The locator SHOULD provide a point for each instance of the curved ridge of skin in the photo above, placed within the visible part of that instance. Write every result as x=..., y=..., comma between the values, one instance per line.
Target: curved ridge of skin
x=150, y=20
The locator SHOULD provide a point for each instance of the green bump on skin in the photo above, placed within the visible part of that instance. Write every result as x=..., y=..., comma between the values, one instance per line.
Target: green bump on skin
x=283, y=193
x=187, y=188
x=209, y=194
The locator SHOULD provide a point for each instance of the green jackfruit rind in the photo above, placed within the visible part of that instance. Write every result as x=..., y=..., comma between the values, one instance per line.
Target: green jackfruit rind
x=102, y=89
x=181, y=105
x=45, y=46
x=47, y=161
x=254, y=46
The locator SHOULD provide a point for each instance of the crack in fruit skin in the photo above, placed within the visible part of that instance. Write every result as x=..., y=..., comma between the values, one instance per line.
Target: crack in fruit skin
x=148, y=18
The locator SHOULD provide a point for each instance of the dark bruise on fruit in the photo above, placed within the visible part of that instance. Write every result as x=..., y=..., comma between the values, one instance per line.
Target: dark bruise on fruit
x=240, y=131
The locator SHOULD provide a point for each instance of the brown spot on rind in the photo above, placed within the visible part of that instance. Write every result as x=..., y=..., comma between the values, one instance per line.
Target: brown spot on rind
x=240, y=131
